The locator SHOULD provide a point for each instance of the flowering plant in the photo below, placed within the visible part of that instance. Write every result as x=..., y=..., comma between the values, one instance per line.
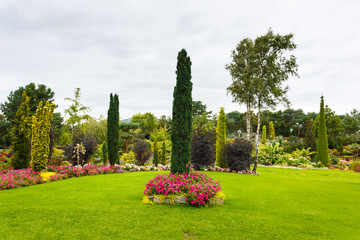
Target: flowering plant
x=198, y=188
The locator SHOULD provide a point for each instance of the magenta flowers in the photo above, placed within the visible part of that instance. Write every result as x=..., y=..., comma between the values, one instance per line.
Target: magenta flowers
x=197, y=187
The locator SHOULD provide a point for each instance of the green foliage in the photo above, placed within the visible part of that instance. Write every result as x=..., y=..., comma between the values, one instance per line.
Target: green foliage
x=238, y=154
x=310, y=139
x=235, y=121
x=181, y=129
x=128, y=132
x=41, y=122
x=198, y=109
x=271, y=131
x=221, y=139
x=156, y=159
x=76, y=110
x=163, y=153
x=147, y=122
x=97, y=128
x=263, y=135
x=113, y=130
x=322, y=150
x=269, y=154
x=160, y=134
x=21, y=135
x=37, y=94
x=104, y=153
x=129, y=157
x=334, y=128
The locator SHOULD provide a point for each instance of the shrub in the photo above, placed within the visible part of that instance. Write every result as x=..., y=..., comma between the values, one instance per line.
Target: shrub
x=104, y=153
x=156, y=159
x=90, y=144
x=269, y=154
x=289, y=147
x=203, y=148
x=263, y=135
x=355, y=166
x=238, y=154
x=129, y=157
x=142, y=150
x=220, y=139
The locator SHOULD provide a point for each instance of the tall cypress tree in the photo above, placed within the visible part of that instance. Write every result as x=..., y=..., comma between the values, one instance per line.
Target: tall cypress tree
x=271, y=131
x=21, y=135
x=263, y=135
x=113, y=130
x=322, y=149
x=156, y=159
x=221, y=139
x=181, y=128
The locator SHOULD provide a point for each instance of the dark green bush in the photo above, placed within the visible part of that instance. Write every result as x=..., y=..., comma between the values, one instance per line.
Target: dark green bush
x=289, y=147
x=238, y=154
x=142, y=150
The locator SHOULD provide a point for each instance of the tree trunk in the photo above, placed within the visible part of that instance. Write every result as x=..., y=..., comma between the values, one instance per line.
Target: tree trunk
x=257, y=139
x=248, y=121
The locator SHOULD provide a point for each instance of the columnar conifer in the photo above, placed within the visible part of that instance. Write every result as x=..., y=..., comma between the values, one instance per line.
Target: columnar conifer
x=21, y=135
x=163, y=153
x=41, y=123
x=181, y=129
x=271, y=131
x=221, y=139
x=104, y=149
x=322, y=149
x=113, y=129
x=263, y=135
x=156, y=153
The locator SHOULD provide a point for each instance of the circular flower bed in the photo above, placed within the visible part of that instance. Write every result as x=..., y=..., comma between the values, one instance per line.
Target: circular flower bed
x=197, y=188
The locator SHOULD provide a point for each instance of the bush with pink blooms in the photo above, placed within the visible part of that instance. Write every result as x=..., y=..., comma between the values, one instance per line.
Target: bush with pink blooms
x=19, y=178
x=198, y=188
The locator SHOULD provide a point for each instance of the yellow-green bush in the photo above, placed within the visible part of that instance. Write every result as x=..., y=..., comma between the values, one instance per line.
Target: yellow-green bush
x=41, y=122
x=355, y=166
x=129, y=157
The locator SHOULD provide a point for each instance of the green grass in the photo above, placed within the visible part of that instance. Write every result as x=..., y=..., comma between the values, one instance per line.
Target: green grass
x=279, y=204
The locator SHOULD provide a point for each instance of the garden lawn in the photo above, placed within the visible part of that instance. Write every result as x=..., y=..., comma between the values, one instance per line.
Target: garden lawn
x=279, y=204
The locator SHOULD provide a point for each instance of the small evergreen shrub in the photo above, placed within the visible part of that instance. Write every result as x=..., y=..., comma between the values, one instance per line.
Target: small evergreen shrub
x=129, y=157
x=238, y=154
x=142, y=150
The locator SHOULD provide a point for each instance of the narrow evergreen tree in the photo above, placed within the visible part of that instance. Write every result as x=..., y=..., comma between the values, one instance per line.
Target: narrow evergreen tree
x=271, y=131
x=156, y=154
x=163, y=153
x=310, y=138
x=221, y=139
x=113, y=130
x=40, y=139
x=181, y=128
x=104, y=153
x=21, y=135
x=322, y=149
x=263, y=135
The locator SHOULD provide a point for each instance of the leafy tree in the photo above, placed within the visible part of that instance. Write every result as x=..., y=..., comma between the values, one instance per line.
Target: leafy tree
x=21, y=135
x=263, y=135
x=310, y=139
x=41, y=122
x=128, y=134
x=76, y=111
x=165, y=122
x=5, y=137
x=181, y=129
x=56, y=125
x=198, y=109
x=271, y=131
x=259, y=71
x=113, y=129
x=104, y=153
x=147, y=122
x=97, y=128
x=37, y=94
x=322, y=150
x=163, y=153
x=351, y=122
x=142, y=150
x=221, y=139
x=235, y=121
x=203, y=146
x=156, y=159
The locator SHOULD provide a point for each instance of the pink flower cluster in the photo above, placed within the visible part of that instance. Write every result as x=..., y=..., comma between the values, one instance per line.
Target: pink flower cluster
x=197, y=187
x=19, y=178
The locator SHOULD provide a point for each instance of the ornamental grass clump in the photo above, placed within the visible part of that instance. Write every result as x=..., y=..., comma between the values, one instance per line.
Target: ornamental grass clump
x=198, y=188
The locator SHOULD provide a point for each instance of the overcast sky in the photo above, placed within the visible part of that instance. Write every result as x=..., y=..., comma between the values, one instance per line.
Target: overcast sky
x=130, y=48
